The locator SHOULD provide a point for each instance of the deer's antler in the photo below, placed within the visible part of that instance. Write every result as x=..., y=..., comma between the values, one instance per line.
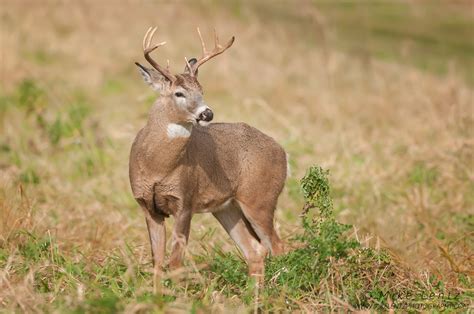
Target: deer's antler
x=207, y=55
x=147, y=49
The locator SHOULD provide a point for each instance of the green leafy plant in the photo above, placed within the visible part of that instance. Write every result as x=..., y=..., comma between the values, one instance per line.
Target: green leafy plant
x=323, y=241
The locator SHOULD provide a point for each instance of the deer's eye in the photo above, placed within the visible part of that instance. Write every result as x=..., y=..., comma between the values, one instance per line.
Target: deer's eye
x=179, y=94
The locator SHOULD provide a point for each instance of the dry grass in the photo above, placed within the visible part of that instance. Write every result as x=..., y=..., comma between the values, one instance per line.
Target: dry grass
x=398, y=141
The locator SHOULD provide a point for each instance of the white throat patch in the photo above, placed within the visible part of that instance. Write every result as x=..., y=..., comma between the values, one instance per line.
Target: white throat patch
x=174, y=130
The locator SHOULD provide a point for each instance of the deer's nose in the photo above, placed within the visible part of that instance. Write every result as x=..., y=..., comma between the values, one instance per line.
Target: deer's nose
x=206, y=115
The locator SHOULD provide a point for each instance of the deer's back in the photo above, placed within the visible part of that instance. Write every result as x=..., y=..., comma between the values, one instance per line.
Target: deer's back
x=240, y=156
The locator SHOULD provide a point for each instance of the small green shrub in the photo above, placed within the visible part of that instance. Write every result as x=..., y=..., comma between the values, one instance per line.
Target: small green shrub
x=324, y=240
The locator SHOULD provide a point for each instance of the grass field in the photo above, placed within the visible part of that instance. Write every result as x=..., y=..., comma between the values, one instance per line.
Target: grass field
x=380, y=93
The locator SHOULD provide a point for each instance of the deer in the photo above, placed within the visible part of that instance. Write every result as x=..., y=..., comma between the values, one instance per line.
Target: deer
x=181, y=164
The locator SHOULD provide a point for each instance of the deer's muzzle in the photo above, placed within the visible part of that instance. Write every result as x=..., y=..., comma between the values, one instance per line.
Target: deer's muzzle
x=206, y=115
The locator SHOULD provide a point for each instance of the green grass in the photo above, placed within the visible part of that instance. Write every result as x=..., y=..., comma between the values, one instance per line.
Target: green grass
x=104, y=285
x=329, y=265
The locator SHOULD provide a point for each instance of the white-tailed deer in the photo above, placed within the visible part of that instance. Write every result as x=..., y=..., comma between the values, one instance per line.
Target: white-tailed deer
x=180, y=165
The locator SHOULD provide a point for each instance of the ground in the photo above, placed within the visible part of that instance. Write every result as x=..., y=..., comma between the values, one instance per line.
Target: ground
x=381, y=94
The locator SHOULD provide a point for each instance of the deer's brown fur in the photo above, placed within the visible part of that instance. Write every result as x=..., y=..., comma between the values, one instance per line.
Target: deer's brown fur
x=232, y=170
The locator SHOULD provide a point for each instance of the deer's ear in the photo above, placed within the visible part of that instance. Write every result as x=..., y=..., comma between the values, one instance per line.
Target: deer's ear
x=191, y=62
x=153, y=78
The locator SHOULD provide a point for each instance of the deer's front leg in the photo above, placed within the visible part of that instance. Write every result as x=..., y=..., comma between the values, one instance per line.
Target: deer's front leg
x=157, y=233
x=180, y=237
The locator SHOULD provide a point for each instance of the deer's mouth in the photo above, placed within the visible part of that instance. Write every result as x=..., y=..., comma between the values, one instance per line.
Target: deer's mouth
x=203, y=123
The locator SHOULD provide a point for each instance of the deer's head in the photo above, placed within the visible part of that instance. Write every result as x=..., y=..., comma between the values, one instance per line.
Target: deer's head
x=182, y=91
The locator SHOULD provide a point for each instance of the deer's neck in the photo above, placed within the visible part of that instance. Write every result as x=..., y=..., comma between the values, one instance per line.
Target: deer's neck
x=167, y=135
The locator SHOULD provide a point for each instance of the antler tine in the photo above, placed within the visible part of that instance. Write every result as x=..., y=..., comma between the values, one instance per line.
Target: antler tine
x=147, y=39
x=188, y=65
x=150, y=36
x=207, y=55
x=203, y=45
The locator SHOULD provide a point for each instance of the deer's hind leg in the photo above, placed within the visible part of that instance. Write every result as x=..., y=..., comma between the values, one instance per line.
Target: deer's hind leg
x=259, y=214
x=237, y=226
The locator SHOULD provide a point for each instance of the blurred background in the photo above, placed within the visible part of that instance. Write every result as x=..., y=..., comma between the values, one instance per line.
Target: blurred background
x=378, y=92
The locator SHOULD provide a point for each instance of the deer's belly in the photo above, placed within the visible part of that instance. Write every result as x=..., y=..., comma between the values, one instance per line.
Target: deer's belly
x=216, y=207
